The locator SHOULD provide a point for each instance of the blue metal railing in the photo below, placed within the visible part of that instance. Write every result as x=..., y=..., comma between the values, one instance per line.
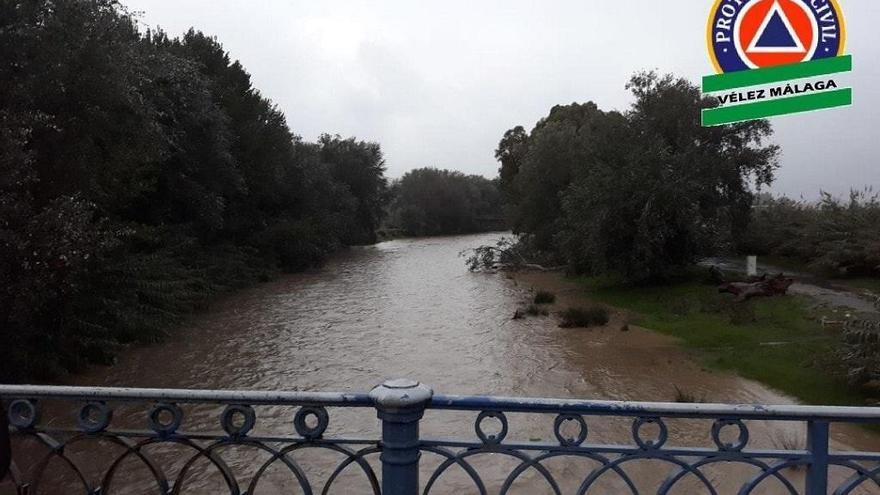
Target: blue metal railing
x=95, y=449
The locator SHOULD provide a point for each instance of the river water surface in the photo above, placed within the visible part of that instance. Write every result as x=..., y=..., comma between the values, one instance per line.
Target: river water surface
x=410, y=308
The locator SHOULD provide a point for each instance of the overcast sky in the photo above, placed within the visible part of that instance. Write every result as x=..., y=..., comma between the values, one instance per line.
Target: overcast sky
x=438, y=83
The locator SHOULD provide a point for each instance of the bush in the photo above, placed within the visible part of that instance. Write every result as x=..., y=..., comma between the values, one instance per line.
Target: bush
x=859, y=357
x=544, y=297
x=686, y=397
x=838, y=238
x=534, y=310
x=584, y=317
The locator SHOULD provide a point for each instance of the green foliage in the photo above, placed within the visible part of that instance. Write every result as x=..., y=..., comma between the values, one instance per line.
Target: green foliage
x=360, y=168
x=429, y=201
x=639, y=193
x=595, y=316
x=140, y=176
x=833, y=237
x=510, y=153
x=859, y=354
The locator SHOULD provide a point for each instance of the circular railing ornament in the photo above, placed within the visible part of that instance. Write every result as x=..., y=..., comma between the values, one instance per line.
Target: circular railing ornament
x=491, y=439
x=300, y=422
x=570, y=441
x=94, y=417
x=653, y=444
x=741, y=441
x=24, y=414
x=161, y=427
x=229, y=416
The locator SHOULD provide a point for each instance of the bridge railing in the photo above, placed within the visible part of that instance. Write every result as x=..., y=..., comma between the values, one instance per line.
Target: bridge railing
x=140, y=440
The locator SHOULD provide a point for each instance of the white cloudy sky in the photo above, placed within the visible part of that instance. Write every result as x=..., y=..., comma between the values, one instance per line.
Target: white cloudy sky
x=437, y=83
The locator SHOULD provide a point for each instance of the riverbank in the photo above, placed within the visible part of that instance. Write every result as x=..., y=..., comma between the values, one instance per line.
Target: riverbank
x=410, y=308
x=777, y=341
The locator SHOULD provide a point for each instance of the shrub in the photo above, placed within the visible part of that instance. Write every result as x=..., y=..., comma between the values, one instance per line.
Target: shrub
x=835, y=237
x=544, y=297
x=584, y=317
x=686, y=397
x=859, y=356
x=535, y=310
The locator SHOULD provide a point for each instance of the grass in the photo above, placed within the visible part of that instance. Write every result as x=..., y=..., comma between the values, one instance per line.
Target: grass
x=780, y=341
x=584, y=317
x=544, y=297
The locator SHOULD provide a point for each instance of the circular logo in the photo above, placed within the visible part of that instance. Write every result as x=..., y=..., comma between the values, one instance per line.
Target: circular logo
x=751, y=34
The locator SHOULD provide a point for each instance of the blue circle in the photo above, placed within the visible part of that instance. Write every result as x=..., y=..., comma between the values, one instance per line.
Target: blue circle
x=725, y=51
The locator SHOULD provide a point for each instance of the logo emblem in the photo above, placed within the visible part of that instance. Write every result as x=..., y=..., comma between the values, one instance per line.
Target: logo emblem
x=756, y=34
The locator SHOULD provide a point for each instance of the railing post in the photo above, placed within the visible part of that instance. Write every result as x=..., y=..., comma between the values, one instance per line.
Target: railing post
x=817, y=445
x=400, y=405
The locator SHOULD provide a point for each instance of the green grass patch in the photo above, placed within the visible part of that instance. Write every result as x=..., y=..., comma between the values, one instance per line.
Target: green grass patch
x=777, y=341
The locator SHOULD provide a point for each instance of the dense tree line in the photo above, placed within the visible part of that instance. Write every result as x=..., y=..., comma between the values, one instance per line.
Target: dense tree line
x=639, y=192
x=832, y=237
x=142, y=174
x=429, y=201
x=835, y=237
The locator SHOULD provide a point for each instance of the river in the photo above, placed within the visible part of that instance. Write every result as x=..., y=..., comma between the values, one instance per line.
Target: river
x=410, y=308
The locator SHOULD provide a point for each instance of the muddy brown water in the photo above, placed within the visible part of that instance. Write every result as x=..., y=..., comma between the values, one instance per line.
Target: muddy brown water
x=409, y=308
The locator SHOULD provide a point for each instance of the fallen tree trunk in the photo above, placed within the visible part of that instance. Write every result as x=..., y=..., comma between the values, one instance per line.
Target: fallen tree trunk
x=764, y=287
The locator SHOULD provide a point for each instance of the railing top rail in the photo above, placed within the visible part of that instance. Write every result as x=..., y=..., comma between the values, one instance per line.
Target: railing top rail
x=185, y=396
x=453, y=402
x=657, y=409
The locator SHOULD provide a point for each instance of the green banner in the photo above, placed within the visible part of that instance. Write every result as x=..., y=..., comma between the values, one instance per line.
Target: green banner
x=780, y=106
x=740, y=105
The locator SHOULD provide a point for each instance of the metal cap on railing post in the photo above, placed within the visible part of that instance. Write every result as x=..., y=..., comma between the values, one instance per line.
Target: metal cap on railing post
x=400, y=405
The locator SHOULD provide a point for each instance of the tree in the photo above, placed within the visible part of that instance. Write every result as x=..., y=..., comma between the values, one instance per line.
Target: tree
x=511, y=153
x=644, y=192
x=429, y=201
x=836, y=237
x=143, y=174
x=360, y=167
x=557, y=145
